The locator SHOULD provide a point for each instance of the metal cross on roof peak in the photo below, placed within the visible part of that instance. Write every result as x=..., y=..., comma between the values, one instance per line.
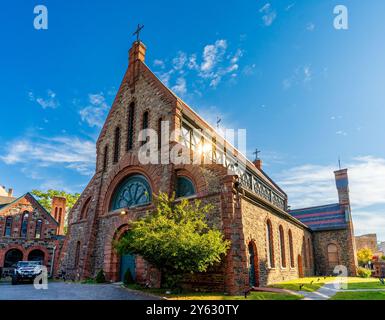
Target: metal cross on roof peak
x=256, y=152
x=137, y=32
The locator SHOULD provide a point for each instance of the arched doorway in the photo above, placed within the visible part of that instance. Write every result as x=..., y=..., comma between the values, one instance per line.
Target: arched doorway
x=127, y=264
x=253, y=265
x=36, y=255
x=12, y=257
x=300, y=268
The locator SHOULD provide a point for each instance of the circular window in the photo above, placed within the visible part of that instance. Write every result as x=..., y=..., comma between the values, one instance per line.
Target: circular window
x=184, y=187
x=133, y=191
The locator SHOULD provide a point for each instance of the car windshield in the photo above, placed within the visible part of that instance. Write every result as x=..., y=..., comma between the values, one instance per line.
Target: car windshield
x=28, y=264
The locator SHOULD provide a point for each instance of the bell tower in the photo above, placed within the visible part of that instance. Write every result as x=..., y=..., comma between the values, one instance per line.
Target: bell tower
x=59, y=212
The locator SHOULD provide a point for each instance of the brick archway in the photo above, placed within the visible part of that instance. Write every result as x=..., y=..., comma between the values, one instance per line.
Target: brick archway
x=14, y=246
x=253, y=264
x=111, y=256
x=41, y=248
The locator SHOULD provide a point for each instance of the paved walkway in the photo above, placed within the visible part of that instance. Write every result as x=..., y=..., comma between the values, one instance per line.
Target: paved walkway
x=329, y=290
x=71, y=291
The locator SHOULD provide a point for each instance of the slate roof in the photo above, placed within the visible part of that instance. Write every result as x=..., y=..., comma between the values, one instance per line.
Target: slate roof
x=327, y=217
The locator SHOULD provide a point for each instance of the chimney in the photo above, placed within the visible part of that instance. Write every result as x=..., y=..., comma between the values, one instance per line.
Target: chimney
x=342, y=183
x=10, y=192
x=59, y=212
x=258, y=164
x=136, y=55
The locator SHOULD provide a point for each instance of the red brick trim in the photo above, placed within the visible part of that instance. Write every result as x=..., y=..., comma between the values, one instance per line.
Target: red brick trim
x=47, y=255
x=10, y=247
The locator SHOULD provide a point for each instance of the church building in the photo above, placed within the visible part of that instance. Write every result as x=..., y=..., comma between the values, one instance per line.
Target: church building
x=269, y=243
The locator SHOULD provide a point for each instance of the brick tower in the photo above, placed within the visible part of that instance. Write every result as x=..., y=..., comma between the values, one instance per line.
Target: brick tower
x=59, y=212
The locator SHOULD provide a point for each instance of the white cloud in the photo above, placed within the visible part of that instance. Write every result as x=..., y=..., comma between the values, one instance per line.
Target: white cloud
x=159, y=63
x=70, y=152
x=341, y=133
x=212, y=55
x=311, y=185
x=290, y=6
x=269, y=14
x=95, y=113
x=179, y=61
x=301, y=75
x=180, y=87
x=310, y=26
x=49, y=101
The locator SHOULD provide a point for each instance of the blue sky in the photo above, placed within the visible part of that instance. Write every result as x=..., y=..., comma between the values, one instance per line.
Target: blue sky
x=306, y=92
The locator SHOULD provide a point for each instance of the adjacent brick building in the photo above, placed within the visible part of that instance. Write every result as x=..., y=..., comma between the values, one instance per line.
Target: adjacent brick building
x=29, y=232
x=368, y=241
x=268, y=243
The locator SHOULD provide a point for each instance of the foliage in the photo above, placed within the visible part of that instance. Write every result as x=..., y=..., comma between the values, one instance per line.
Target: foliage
x=45, y=198
x=383, y=258
x=100, y=277
x=176, y=239
x=364, y=273
x=128, y=278
x=364, y=255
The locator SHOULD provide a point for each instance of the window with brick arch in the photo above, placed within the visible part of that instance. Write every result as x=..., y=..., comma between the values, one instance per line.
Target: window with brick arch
x=117, y=145
x=305, y=252
x=59, y=217
x=8, y=227
x=105, y=158
x=84, y=212
x=56, y=213
x=130, y=126
x=24, y=225
x=333, y=259
x=270, y=245
x=39, y=225
x=291, y=249
x=282, y=246
x=77, y=255
x=145, y=121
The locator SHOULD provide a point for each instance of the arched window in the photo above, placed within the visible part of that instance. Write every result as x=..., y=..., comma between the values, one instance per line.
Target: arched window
x=8, y=227
x=60, y=214
x=77, y=254
x=39, y=224
x=145, y=125
x=270, y=245
x=332, y=255
x=184, y=187
x=305, y=252
x=105, y=158
x=117, y=145
x=309, y=252
x=282, y=245
x=291, y=249
x=133, y=191
x=24, y=225
x=84, y=211
x=130, y=126
x=56, y=213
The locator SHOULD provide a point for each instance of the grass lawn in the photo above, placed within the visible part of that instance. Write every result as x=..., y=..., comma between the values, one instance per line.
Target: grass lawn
x=310, y=284
x=360, y=295
x=364, y=283
x=216, y=296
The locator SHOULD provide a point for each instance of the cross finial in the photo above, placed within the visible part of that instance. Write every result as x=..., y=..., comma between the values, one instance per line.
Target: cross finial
x=256, y=152
x=137, y=32
x=218, y=122
x=339, y=162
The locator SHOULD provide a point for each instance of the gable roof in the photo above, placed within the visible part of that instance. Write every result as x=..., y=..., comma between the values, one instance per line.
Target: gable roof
x=327, y=217
x=31, y=199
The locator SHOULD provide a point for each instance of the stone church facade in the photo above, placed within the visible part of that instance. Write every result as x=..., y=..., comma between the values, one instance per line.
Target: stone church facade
x=268, y=242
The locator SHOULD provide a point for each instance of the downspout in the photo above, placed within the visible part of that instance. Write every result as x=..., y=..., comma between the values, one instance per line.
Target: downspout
x=52, y=261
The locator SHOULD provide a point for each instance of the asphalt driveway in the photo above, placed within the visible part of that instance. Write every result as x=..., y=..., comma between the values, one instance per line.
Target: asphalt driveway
x=70, y=291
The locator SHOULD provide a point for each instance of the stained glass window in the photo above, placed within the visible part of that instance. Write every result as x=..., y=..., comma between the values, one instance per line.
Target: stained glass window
x=133, y=191
x=24, y=225
x=184, y=187
x=39, y=224
x=8, y=227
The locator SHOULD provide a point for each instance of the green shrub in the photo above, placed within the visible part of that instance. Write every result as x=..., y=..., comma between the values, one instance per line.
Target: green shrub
x=128, y=278
x=364, y=273
x=100, y=278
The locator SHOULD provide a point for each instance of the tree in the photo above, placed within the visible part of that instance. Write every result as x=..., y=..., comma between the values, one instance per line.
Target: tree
x=175, y=238
x=364, y=255
x=45, y=199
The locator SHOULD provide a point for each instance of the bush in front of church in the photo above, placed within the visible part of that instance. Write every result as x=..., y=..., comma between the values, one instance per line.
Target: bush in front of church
x=175, y=238
x=364, y=273
x=100, y=277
